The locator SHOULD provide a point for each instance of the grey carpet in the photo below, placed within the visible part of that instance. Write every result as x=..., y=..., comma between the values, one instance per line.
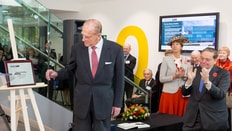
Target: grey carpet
x=33, y=124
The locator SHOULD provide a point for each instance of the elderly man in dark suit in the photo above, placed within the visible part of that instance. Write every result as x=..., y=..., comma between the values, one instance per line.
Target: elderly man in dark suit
x=207, y=86
x=148, y=84
x=99, y=81
x=129, y=62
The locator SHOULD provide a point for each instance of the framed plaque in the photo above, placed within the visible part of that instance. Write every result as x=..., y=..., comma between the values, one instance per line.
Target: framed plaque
x=19, y=73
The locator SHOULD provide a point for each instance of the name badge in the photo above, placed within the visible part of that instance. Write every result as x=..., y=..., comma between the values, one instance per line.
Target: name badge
x=127, y=62
x=148, y=88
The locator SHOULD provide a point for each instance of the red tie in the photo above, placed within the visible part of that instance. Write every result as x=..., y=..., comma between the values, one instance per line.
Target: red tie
x=94, y=61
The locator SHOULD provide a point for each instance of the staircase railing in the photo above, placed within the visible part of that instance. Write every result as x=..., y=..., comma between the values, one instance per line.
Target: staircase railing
x=36, y=49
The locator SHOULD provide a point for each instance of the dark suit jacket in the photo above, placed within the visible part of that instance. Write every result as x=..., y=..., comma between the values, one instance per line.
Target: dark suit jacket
x=142, y=84
x=106, y=89
x=211, y=104
x=152, y=101
x=129, y=67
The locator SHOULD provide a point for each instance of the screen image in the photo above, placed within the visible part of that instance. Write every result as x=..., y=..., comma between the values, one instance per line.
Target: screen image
x=200, y=29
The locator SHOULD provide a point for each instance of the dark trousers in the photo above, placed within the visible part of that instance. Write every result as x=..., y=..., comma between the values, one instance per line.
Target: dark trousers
x=196, y=127
x=128, y=90
x=43, y=91
x=90, y=123
x=229, y=119
x=71, y=85
x=50, y=89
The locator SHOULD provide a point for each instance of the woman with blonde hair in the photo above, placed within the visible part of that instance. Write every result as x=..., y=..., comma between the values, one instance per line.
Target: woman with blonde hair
x=224, y=62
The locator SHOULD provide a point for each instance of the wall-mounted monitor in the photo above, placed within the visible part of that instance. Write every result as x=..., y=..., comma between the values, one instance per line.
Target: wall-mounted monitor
x=200, y=29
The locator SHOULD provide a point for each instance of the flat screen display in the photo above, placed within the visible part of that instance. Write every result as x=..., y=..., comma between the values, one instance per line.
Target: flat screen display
x=200, y=29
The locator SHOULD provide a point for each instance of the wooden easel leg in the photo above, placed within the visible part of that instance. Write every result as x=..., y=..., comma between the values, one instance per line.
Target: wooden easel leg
x=24, y=107
x=12, y=110
x=35, y=108
x=18, y=111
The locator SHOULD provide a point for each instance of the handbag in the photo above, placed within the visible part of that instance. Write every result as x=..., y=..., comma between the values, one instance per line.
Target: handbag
x=229, y=99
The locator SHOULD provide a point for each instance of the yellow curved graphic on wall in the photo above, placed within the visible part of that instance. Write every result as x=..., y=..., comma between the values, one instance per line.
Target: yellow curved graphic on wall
x=142, y=59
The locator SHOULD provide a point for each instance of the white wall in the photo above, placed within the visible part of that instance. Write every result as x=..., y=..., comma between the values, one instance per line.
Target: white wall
x=62, y=5
x=117, y=14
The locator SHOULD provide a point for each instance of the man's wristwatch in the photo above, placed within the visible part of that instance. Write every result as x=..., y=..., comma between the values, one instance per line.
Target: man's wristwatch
x=207, y=82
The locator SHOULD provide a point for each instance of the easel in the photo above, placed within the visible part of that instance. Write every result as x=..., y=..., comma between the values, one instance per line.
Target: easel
x=18, y=102
x=18, y=105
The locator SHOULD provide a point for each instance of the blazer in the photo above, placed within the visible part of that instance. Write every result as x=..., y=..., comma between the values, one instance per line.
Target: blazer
x=106, y=89
x=168, y=69
x=152, y=84
x=152, y=95
x=129, y=67
x=210, y=104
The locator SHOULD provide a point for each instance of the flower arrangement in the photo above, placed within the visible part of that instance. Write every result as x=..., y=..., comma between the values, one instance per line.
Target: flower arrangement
x=136, y=112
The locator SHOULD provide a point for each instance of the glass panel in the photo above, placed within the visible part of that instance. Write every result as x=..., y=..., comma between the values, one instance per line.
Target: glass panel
x=33, y=25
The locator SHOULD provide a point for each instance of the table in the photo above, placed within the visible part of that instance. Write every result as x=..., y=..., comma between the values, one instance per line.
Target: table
x=18, y=105
x=158, y=122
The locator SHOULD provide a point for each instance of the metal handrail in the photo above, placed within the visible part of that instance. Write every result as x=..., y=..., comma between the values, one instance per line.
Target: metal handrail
x=138, y=87
x=36, y=49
